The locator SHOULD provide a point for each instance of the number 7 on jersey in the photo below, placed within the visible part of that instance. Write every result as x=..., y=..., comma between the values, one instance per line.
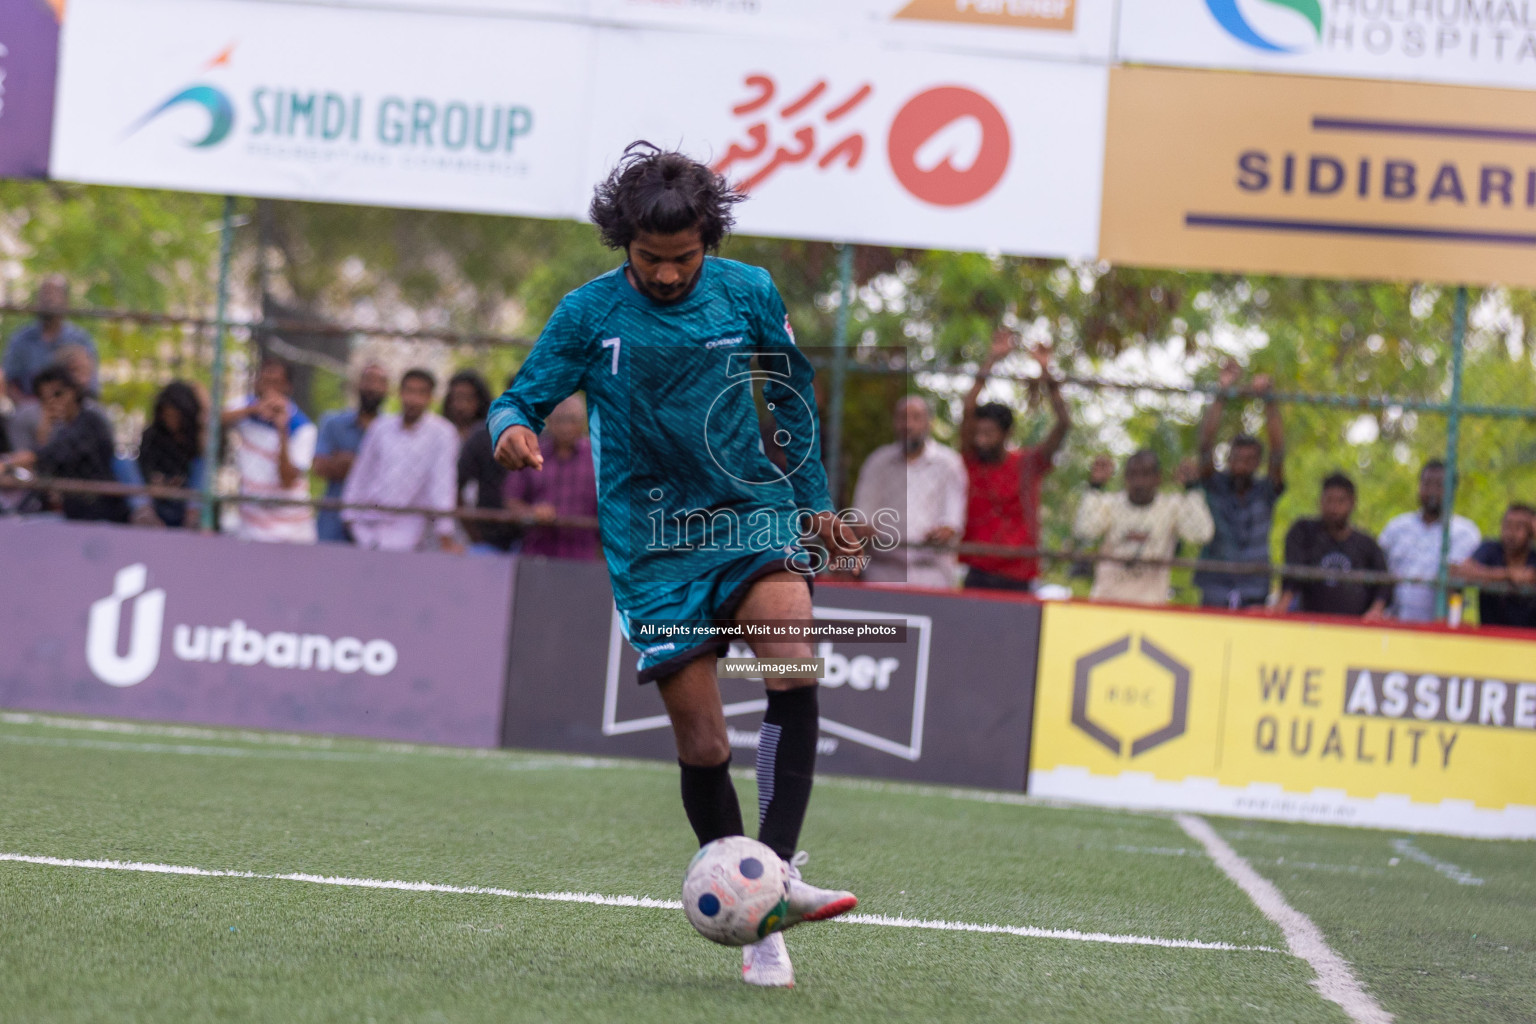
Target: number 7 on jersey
x=614, y=344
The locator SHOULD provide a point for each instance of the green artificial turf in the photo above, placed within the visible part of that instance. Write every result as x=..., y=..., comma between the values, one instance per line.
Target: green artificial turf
x=83, y=944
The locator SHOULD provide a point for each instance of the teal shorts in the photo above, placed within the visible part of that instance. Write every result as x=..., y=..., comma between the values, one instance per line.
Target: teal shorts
x=700, y=605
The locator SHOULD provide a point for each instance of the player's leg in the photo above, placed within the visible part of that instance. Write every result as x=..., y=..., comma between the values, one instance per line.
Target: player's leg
x=692, y=699
x=786, y=752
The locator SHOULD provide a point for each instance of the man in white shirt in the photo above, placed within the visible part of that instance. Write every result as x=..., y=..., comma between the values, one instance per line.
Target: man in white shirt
x=1140, y=523
x=407, y=459
x=1412, y=544
x=914, y=489
x=274, y=444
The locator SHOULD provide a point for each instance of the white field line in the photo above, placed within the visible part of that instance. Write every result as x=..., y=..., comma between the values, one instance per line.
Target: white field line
x=1335, y=981
x=301, y=741
x=879, y=920
x=534, y=763
x=1446, y=868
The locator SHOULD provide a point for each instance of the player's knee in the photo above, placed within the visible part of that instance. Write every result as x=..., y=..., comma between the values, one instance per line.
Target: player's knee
x=704, y=748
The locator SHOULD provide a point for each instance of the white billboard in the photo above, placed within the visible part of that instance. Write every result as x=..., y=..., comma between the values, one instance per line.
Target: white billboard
x=500, y=114
x=1465, y=42
x=1070, y=29
x=866, y=144
x=383, y=107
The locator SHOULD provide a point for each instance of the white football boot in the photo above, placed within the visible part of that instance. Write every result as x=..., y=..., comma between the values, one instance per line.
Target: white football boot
x=766, y=963
x=808, y=903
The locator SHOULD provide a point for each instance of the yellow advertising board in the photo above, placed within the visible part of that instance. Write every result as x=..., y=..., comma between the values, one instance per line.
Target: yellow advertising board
x=1334, y=177
x=1376, y=726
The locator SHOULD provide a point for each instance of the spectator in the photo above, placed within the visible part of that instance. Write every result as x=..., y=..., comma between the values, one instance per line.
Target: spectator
x=566, y=486
x=341, y=434
x=1140, y=523
x=79, y=362
x=38, y=344
x=1412, y=543
x=1507, y=560
x=406, y=460
x=483, y=484
x=1003, y=504
x=466, y=403
x=1330, y=542
x=1242, y=505
x=171, y=451
x=918, y=489
x=274, y=446
x=74, y=443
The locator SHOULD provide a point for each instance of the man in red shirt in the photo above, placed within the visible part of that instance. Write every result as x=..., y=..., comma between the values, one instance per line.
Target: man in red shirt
x=1004, y=502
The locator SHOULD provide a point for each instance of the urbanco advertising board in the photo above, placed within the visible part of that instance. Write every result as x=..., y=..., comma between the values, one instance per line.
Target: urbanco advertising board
x=1359, y=725
x=172, y=626
x=950, y=704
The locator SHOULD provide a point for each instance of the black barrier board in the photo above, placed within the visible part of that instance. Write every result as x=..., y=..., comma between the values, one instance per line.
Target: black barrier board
x=951, y=704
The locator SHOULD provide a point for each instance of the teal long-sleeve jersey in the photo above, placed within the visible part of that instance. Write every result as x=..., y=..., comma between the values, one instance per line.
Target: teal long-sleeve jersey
x=685, y=487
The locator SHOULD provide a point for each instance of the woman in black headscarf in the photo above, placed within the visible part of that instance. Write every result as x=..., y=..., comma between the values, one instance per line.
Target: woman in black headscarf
x=170, y=452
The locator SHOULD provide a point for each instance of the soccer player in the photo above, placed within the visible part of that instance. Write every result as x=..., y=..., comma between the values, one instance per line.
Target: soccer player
x=697, y=523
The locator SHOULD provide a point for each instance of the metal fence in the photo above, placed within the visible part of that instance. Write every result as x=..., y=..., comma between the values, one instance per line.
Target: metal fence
x=1479, y=416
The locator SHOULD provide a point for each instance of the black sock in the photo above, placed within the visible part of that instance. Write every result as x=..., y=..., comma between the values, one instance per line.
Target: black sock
x=786, y=763
x=709, y=799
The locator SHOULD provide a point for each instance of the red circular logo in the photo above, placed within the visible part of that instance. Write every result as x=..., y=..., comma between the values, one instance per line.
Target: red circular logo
x=924, y=162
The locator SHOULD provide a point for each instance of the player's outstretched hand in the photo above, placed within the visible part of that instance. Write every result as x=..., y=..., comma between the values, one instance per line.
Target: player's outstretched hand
x=518, y=448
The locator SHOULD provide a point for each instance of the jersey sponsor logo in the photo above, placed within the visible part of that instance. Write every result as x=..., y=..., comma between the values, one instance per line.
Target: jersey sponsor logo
x=237, y=644
x=723, y=342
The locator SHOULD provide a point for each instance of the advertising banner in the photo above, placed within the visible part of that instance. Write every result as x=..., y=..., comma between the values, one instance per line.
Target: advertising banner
x=1470, y=42
x=325, y=104
x=1368, y=726
x=844, y=142
x=934, y=708
x=29, y=60
x=1315, y=177
x=173, y=626
x=865, y=144
x=1074, y=29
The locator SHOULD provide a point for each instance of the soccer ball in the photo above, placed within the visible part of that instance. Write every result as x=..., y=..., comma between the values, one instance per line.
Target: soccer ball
x=736, y=891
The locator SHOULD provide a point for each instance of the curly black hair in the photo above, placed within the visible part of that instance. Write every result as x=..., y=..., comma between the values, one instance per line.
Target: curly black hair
x=998, y=413
x=481, y=388
x=662, y=192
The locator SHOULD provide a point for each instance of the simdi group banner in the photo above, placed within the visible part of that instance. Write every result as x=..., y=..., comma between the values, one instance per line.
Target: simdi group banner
x=1245, y=172
x=853, y=141
x=1368, y=726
